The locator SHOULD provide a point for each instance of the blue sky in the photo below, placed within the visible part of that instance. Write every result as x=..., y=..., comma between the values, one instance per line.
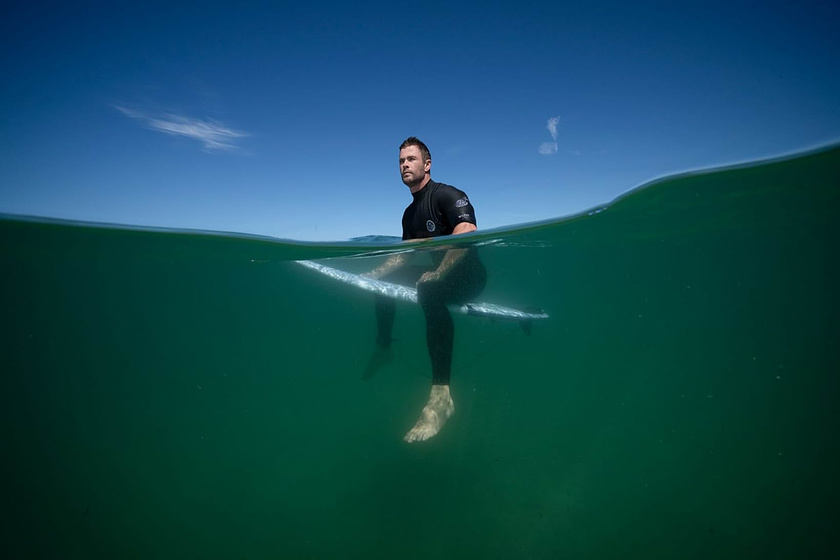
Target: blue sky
x=284, y=120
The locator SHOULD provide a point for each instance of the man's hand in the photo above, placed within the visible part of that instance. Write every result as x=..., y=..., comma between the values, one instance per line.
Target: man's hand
x=450, y=260
x=431, y=276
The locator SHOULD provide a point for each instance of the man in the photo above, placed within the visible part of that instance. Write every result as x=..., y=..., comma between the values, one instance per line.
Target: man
x=456, y=276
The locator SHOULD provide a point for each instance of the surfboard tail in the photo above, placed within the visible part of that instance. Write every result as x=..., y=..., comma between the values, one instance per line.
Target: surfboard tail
x=527, y=322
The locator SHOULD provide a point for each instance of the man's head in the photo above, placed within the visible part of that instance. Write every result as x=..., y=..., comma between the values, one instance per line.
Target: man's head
x=413, y=141
x=415, y=163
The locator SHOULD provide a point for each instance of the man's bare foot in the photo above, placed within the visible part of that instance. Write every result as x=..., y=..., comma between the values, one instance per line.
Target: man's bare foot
x=434, y=415
x=382, y=356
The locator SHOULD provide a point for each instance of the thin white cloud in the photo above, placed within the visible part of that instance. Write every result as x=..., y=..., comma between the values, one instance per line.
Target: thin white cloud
x=552, y=127
x=213, y=135
x=548, y=148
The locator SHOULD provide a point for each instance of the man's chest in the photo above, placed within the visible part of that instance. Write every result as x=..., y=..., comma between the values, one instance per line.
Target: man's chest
x=422, y=220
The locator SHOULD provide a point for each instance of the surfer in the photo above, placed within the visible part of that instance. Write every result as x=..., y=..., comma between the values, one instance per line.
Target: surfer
x=456, y=276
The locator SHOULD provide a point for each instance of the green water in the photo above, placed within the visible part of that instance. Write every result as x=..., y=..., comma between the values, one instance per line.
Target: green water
x=171, y=394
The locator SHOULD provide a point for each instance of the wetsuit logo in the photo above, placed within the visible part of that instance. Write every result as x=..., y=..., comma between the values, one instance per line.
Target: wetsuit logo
x=461, y=202
x=430, y=225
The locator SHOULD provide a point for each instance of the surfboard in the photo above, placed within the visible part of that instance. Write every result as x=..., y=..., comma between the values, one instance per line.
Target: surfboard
x=407, y=293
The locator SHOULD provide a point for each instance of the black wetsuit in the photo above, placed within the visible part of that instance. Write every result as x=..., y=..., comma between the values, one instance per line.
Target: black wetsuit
x=436, y=210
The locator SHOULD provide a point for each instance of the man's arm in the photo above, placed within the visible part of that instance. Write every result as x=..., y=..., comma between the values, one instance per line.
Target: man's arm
x=451, y=258
x=464, y=227
x=390, y=265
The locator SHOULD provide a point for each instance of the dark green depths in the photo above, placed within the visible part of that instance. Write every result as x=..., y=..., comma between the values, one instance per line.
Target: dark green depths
x=174, y=395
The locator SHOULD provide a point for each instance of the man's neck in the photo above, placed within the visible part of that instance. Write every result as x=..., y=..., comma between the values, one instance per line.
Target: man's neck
x=420, y=185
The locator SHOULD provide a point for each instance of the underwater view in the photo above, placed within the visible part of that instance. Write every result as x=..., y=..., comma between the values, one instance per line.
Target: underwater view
x=189, y=394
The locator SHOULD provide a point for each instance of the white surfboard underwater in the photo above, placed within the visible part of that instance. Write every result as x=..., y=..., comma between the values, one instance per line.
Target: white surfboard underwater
x=407, y=293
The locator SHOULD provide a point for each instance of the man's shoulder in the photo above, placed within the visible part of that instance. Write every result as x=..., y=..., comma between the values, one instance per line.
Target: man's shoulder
x=447, y=196
x=442, y=190
x=441, y=186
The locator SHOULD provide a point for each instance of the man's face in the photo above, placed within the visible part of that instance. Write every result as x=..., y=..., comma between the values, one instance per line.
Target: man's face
x=412, y=167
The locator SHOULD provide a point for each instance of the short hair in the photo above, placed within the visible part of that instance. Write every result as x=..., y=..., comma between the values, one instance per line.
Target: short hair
x=414, y=141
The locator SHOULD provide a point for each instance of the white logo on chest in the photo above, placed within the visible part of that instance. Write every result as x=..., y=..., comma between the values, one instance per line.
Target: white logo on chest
x=430, y=225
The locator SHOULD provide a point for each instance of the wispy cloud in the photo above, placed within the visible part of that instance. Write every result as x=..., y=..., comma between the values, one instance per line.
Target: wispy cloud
x=548, y=148
x=213, y=135
x=552, y=126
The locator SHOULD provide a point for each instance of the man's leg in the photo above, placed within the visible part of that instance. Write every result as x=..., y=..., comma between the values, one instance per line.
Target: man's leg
x=460, y=286
x=440, y=335
x=386, y=309
x=385, y=312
